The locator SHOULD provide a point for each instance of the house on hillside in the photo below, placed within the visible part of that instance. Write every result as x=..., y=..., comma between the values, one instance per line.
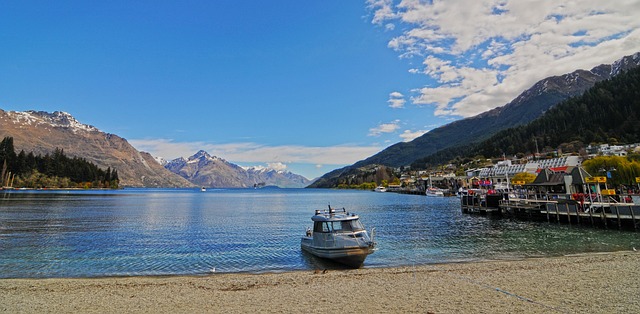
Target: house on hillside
x=610, y=150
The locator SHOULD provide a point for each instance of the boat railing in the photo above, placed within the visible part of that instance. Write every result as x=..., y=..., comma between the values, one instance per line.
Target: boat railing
x=330, y=211
x=373, y=236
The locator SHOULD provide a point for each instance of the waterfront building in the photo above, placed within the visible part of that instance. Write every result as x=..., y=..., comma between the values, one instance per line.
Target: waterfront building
x=504, y=170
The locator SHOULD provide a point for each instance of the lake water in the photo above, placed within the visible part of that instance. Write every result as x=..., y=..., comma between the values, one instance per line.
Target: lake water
x=136, y=232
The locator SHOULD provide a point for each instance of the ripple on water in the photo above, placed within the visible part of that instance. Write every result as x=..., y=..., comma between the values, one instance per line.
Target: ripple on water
x=171, y=232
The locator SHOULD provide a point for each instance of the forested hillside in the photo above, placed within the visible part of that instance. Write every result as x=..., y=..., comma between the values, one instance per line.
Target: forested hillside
x=606, y=113
x=50, y=171
x=460, y=138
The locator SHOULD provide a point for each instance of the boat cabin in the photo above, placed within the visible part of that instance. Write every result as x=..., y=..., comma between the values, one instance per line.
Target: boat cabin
x=353, y=225
x=332, y=222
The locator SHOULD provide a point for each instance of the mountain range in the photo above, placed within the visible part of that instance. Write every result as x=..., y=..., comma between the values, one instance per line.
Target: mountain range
x=205, y=170
x=42, y=132
x=529, y=105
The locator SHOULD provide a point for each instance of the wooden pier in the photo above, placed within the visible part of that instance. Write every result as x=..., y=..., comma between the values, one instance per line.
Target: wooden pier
x=617, y=215
x=608, y=215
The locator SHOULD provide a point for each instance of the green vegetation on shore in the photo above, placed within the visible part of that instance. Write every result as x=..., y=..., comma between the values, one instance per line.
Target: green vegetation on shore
x=606, y=113
x=51, y=171
x=622, y=170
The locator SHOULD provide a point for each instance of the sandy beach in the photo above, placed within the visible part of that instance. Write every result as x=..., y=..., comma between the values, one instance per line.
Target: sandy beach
x=590, y=283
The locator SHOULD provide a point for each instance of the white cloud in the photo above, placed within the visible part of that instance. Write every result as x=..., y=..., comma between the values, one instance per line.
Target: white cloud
x=482, y=54
x=408, y=136
x=248, y=152
x=277, y=166
x=396, y=100
x=385, y=128
x=382, y=8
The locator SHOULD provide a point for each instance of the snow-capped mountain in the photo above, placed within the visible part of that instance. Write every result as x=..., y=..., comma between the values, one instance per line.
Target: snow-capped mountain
x=210, y=171
x=625, y=64
x=275, y=177
x=42, y=132
x=161, y=160
x=57, y=119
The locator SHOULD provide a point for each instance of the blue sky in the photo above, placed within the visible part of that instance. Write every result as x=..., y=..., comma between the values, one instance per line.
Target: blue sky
x=306, y=86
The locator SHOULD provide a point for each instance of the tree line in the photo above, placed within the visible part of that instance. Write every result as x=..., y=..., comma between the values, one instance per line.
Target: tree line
x=51, y=170
x=606, y=113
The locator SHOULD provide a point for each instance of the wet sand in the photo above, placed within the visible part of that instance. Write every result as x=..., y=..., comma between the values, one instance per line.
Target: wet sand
x=590, y=283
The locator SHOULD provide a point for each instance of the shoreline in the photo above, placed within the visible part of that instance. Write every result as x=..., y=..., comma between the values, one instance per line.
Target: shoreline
x=337, y=268
x=590, y=282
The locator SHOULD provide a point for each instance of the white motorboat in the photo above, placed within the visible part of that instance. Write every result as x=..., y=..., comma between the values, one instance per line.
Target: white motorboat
x=434, y=192
x=380, y=189
x=338, y=236
x=431, y=191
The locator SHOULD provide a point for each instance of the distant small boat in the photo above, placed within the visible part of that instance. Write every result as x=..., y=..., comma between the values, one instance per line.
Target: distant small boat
x=203, y=189
x=431, y=191
x=380, y=189
x=340, y=237
x=434, y=192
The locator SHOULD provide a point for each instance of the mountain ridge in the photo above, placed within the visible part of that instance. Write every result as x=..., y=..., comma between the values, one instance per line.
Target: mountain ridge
x=211, y=171
x=606, y=111
x=42, y=132
x=528, y=105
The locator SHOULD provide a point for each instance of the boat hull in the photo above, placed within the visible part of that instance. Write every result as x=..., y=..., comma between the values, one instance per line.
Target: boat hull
x=350, y=256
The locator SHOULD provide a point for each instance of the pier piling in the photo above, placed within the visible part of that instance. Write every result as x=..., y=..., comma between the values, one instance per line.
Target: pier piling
x=563, y=211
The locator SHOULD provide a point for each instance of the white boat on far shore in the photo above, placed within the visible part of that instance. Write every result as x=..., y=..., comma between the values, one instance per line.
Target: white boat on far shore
x=434, y=192
x=380, y=189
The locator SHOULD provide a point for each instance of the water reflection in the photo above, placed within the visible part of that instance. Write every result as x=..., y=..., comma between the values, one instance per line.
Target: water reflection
x=158, y=232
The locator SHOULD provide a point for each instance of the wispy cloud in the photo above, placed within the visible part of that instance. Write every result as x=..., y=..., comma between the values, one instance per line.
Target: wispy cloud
x=396, y=100
x=408, y=135
x=482, y=54
x=385, y=128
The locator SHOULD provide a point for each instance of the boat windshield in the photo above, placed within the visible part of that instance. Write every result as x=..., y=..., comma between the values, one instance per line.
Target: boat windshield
x=338, y=226
x=356, y=225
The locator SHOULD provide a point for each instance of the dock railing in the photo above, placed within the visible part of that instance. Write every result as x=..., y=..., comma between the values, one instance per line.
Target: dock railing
x=563, y=209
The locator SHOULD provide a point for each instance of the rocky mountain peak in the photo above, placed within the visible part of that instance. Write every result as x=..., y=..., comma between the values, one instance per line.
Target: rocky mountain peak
x=625, y=64
x=261, y=169
x=578, y=81
x=175, y=163
x=200, y=154
x=203, y=169
x=42, y=132
x=603, y=70
x=57, y=119
x=161, y=160
x=202, y=157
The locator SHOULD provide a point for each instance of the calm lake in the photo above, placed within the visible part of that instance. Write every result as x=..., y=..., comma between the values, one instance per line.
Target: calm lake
x=136, y=232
